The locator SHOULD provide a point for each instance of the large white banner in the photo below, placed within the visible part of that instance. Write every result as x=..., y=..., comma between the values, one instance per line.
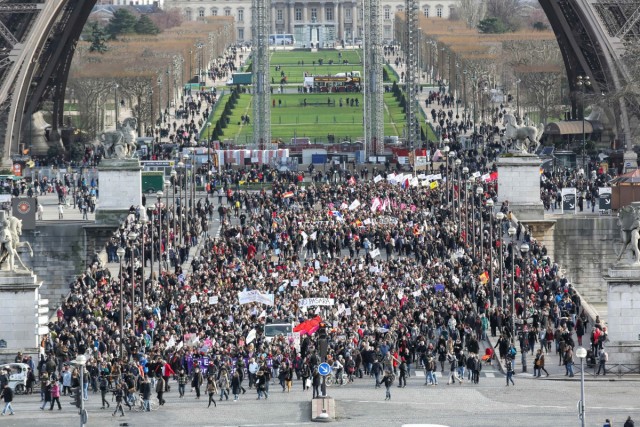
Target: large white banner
x=308, y=302
x=247, y=297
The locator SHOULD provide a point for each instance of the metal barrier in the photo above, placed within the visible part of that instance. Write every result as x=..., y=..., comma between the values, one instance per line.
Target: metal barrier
x=616, y=369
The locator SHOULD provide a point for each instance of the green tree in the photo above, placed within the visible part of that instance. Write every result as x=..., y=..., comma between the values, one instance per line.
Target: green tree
x=492, y=26
x=122, y=22
x=146, y=26
x=98, y=38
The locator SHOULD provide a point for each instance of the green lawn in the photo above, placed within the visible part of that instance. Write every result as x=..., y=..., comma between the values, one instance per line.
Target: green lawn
x=291, y=118
x=295, y=63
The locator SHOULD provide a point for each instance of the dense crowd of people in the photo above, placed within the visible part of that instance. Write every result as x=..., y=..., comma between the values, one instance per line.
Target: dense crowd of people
x=414, y=280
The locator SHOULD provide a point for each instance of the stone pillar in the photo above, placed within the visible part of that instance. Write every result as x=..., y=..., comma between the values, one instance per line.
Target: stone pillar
x=120, y=187
x=340, y=19
x=623, y=313
x=289, y=18
x=23, y=315
x=519, y=183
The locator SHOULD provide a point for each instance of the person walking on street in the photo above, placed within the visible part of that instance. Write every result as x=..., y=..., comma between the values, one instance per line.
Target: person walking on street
x=103, y=390
x=160, y=390
x=212, y=390
x=607, y=423
x=55, y=395
x=196, y=381
x=387, y=380
x=46, y=388
x=629, y=422
x=603, y=357
x=7, y=395
x=182, y=382
x=145, y=390
x=509, y=368
x=119, y=395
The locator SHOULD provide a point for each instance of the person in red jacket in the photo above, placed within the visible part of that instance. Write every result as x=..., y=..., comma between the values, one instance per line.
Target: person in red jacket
x=166, y=373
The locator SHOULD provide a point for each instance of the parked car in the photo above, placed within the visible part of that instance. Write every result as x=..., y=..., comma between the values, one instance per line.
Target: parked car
x=17, y=376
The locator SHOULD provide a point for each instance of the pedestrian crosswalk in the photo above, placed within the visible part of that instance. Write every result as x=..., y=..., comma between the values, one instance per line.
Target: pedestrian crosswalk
x=488, y=371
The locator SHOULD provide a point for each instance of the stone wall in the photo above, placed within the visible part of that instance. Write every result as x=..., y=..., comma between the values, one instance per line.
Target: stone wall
x=585, y=247
x=61, y=251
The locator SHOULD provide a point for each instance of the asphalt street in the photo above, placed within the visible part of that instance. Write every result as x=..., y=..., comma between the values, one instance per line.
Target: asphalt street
x=530, y=402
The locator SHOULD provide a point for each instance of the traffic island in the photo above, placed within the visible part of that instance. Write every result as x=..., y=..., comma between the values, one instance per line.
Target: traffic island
x=323, y=409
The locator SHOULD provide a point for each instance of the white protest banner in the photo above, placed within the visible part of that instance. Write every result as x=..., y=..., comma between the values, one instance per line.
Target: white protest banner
x=354, y=205
x=213, y=300
x=247, y=297
x=194, y=299
x=374, y=253
x=308, y=302
x=476, y=174
x=377, y=179
x=324, y=279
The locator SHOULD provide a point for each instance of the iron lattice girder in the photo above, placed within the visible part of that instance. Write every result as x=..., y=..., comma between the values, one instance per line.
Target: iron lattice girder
x=411, y=72
x=8, y=35
x=631, y=21
x=261, y=20
x=20, y=7
x=5, y=62
x=373, y=84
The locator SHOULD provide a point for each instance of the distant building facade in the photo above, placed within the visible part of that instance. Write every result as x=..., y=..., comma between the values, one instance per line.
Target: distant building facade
x=310, y=21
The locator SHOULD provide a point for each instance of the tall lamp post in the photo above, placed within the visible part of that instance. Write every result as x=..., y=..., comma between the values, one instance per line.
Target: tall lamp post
x=524, y=249
x=479, y=193
x=583, y=83
x=173, y=203
x=166, y=199
x=120, y=252
x=143, y=225
x=132, y=239
x=581, y=353
x=152, y=225
x=457, y=163
x=446, y=171
x=115, y=103
x=465, y=173
x=81, y=361
x=517, y=98
x=159, y=205
x=489, y=205
x=499, y=218
x=512, y=232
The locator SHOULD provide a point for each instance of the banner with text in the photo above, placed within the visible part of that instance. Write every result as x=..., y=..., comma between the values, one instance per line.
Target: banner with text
x=247, y=297
x=308, y=302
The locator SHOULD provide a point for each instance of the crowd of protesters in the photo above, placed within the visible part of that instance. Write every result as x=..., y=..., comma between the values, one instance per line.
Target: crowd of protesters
x=401, y=263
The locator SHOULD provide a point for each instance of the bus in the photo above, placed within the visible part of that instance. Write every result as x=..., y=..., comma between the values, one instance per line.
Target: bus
x=282, y=39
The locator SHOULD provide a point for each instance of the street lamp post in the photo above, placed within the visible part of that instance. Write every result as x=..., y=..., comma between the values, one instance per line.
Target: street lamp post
x=81, y=361
x=166, y=199
x=517, y=98
x=512, y=232
x=479, y=193
x=456, y=90
x=132, y=239
x=499, y=218
x=465, y=172
x=524, y=248
x=456, y=172
x=152, y=208
x=120, y=252
x=489, y=205
x=159, y=205
x=581, y=353
x=446, y=150
x=115, y=103
x=143, y=221
x=173, y=204
x=583, y=83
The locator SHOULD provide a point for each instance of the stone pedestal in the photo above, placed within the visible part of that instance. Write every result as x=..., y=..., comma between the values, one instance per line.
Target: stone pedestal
x=120, y=187
x=519, y=183
x=23, y=315
x=623, y=317
x=630, y=161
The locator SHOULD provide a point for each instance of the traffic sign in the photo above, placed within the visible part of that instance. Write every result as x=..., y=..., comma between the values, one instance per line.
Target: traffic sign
x=324, y=369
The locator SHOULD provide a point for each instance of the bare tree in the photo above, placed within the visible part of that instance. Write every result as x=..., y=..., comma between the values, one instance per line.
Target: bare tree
x=139, y=90
x=508, y=11
x=542, y=89
x=469, y=11
x=91, y=94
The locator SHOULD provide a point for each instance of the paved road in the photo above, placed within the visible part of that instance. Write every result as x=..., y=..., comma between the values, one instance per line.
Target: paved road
x=529, y=403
